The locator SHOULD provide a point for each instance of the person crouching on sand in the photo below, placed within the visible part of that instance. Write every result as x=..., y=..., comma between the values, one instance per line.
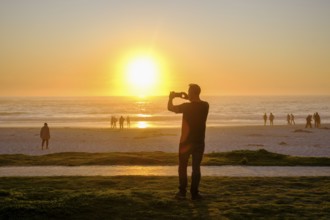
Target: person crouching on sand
x=45, y=136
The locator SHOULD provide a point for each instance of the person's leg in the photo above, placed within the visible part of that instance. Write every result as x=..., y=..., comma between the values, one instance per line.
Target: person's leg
x=42, y=144
x=197, y=156
x=46, y=143
x=184, y=153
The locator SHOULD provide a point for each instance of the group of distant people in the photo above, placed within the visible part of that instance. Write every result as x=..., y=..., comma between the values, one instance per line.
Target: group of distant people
x=290, y=120
x=45, y=132
x=317, y=120
x=113, y=122
x=271, y=119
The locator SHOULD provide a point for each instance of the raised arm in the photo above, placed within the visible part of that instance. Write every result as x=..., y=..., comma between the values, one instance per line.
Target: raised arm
x=175, y=108
x=170, y=105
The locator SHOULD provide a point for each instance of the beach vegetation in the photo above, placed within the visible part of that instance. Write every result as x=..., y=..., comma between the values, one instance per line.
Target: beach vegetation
x=149, y=197
x=240, y=157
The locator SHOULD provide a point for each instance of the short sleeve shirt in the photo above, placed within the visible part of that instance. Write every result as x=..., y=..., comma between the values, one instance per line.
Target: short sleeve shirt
x=193, y=121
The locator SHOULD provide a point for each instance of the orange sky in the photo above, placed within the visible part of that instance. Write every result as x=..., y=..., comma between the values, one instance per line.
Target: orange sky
x=78, y=48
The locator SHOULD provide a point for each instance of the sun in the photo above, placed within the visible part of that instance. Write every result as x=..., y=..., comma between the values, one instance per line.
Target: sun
x=142, y=75
x=142, y=72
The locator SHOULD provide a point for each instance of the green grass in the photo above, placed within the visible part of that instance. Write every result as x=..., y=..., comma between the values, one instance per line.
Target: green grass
x=241, y=157
x=146, y=197
x=263, y=158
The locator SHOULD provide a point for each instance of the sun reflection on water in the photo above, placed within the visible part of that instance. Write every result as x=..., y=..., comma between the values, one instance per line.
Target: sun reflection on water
x=143, y=115
x=142, y=124
x=147, y=170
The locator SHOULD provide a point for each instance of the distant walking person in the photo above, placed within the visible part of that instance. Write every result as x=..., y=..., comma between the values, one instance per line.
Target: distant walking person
x=192, y=140
x=271, y=119
x=114, y=122
x=265, y=119
x=121, y=122
x=309, y=121
x=292, y=119
x=128, y=121
x=288, y=118
x=317, y=120
x=45, y=136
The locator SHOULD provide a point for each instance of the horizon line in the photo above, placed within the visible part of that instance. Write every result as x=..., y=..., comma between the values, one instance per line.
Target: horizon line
x=132, y=96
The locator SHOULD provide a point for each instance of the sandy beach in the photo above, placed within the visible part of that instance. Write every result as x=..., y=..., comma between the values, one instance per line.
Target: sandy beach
x=290, y=140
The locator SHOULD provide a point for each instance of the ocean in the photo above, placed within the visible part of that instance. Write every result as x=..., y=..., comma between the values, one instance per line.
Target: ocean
x=96, y=112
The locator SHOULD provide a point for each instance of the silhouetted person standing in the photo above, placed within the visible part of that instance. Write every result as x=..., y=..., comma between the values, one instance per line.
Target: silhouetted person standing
x=112, y=122
x=265, y=119
x=192, y=138
x=292, y=119
x=309, y=121
x=288, y=118
x=271, y=119
x=45, y=136
x=115, y=122
x=128, y=121
x=121, y=122
x=317, y=120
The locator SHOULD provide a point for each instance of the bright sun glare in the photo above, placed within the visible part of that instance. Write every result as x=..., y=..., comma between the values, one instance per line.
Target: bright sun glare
x=142, y=75
x=142, y=124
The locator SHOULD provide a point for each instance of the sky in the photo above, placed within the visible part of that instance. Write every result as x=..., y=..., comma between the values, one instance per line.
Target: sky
x=228, y=47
